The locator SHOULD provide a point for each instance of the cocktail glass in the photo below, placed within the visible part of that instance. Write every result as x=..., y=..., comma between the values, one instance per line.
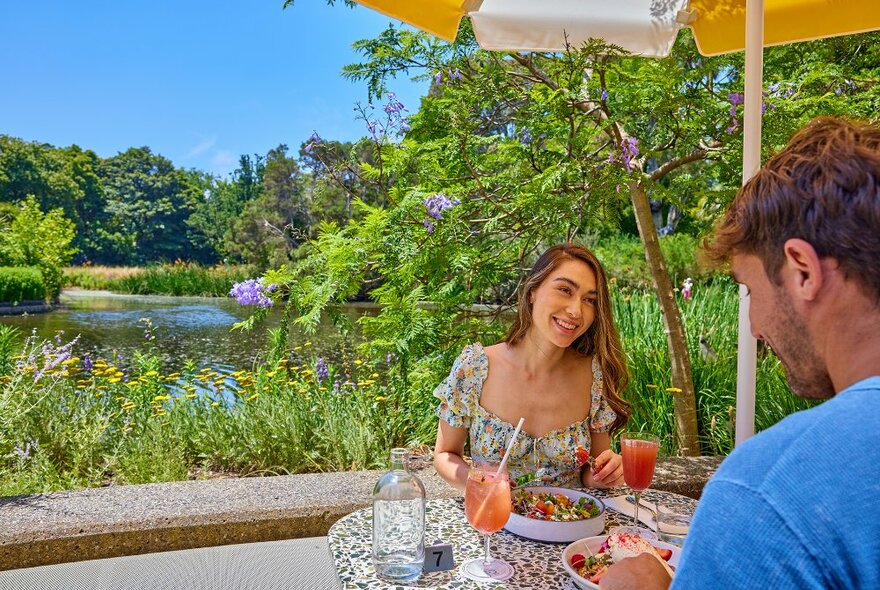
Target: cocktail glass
x=639, y=451
x=487, y=507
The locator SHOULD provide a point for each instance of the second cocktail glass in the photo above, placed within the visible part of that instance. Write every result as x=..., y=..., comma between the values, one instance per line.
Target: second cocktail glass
x=639, y=452
x=487, y=507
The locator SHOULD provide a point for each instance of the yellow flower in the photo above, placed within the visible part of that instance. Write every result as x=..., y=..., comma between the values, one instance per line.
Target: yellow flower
x=374, y=375
x=206, y=370
x=651, y=386
x=358, y=362
x=380, y=398
x=271, y=374
x=303, y=390
x=118, y=374
x=253, y=397
x=307, y=344
x=215, y=404
x=114, y=380
x=190, y=395
x=151, y=373
x=297, y=348
x=161, y=398
x=673, y=390
x=173, y=375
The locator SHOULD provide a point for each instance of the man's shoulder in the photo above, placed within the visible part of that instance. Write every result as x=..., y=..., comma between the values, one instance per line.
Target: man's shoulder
x=807, y=439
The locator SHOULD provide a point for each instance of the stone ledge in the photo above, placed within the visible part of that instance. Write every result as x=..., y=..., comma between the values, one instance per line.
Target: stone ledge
x=44, y=529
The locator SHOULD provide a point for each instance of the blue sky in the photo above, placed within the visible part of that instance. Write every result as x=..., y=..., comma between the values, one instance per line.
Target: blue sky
x=197, y=81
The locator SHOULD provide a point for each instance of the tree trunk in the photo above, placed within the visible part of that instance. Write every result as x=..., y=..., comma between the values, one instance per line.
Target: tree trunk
x=676, y=339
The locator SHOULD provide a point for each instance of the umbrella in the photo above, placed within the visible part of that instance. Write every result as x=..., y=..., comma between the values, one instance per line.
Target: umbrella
x=649, y=28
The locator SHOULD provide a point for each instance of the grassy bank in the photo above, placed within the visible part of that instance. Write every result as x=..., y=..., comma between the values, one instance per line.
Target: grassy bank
x=167, y=279
x=69, y=421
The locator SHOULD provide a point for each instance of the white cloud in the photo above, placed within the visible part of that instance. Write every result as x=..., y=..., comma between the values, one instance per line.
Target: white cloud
x=224, y=161
x=202, y=147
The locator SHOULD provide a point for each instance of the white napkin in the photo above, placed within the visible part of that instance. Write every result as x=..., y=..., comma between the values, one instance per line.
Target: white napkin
x=619, y=504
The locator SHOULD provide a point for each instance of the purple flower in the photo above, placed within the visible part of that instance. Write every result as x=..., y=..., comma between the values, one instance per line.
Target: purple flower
x=321, y=371
x=629, y=148
x=336, y=385
x=455, y=75
x=435, y=205
x=735, y=98
x=438, y=77
x=87, y=362
x=250, y=292
x=313, y=140
x=604, y=94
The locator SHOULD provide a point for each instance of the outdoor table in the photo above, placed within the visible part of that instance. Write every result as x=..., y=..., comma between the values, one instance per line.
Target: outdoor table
x=537, y=564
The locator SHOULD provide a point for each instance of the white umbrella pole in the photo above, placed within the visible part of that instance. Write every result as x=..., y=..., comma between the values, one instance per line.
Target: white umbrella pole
x=746, y=364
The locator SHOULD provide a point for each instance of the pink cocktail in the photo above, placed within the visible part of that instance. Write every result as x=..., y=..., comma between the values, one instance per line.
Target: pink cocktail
x=487, y=508
x=639, y=452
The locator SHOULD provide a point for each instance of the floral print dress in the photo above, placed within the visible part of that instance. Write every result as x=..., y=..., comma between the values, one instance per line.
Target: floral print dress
x=550, y=457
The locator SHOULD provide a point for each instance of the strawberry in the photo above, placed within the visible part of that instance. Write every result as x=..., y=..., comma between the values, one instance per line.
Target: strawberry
x=577, y=561
x=664, y=553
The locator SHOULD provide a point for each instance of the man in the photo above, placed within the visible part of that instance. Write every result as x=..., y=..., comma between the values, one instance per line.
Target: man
x=798, y=506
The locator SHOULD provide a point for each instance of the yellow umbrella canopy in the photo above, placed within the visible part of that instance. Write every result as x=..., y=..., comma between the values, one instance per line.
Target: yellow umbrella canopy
x=643, y=27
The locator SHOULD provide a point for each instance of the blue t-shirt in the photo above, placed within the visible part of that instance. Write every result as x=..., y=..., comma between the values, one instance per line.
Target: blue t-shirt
x=797, y=506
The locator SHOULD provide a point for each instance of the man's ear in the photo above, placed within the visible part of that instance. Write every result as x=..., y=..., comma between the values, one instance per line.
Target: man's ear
x=803, y=264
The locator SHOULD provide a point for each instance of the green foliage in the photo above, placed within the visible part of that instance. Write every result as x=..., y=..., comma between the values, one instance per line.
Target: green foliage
x=166, y=279
x=34, y=238
x=624, y=259
x=21, y=284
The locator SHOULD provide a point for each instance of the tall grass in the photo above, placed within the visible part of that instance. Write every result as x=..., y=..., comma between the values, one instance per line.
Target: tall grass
x=180, y=278
x=711, y=313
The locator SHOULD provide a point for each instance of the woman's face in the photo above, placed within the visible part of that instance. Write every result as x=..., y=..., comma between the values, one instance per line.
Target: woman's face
x=564, y=305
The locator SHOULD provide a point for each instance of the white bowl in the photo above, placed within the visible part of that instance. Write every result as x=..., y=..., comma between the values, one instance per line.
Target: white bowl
x=555, y=531
x=592, y=544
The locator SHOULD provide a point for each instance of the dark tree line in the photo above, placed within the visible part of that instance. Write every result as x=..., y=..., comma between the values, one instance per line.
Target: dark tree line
x=137, y=208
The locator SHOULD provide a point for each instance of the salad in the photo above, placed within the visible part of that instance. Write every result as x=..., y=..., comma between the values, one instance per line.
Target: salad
x=555, y=507
x=617, y=546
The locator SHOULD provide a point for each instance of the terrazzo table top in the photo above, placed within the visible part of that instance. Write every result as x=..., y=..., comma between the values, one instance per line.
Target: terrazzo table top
x=538, y=565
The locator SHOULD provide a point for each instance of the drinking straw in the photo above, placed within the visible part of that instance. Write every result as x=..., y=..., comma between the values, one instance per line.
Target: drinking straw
x=509, y=447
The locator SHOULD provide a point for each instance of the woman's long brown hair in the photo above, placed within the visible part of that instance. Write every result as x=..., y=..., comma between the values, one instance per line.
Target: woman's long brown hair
x=600, y=339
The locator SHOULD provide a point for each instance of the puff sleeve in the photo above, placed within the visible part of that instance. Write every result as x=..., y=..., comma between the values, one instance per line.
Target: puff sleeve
x=460, y=391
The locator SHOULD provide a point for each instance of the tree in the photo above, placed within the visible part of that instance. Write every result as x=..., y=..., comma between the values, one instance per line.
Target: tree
x=34, y=238
x=510, y=152
x=213, y=217
x=272, y=226
x=147, y=206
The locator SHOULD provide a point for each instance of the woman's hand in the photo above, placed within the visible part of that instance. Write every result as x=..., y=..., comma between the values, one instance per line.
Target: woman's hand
x=607, y=471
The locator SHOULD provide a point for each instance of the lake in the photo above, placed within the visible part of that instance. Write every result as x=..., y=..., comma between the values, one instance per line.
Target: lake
x=195, y=328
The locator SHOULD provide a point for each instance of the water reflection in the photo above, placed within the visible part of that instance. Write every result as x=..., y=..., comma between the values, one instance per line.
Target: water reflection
x=185, y=328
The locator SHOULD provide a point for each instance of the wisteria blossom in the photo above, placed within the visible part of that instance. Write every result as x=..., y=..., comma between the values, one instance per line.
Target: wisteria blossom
x=629, y=149
x=313, y=141
x=394, y=124
x=251, y=292
x=435, y=205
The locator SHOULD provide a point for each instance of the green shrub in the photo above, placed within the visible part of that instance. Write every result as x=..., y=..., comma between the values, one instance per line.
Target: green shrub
x=624, y=259
x=21, y=284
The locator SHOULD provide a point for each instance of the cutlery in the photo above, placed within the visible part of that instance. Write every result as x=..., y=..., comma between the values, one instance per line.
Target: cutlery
x=644, y=505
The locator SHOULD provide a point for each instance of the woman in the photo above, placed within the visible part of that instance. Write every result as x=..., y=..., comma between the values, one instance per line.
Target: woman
x=560, y=367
